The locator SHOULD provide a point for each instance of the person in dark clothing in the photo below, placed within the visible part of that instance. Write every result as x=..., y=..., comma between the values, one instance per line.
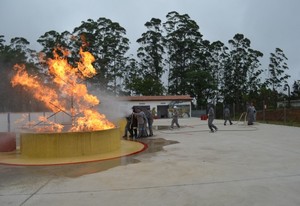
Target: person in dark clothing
x=133, y=125
x=211, y=117
x=227, y=115
x=127, y=127
x=250, y=114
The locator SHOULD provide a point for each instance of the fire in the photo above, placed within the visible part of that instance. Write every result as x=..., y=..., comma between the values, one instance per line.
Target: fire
x=71, y=91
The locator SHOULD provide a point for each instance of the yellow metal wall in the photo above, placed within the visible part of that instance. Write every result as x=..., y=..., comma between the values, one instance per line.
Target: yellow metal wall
x=49, y=145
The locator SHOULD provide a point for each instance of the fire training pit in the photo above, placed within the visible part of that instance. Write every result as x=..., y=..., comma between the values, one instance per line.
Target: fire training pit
x=69, y=144
x=90, y=135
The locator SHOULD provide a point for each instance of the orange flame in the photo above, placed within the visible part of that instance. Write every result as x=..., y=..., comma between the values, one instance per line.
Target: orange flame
x=67, y=79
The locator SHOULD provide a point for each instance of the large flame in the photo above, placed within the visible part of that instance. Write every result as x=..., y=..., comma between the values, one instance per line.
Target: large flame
x=71, y=91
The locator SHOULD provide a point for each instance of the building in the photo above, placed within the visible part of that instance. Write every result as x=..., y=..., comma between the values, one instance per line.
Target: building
x=161, y=106
x=293, y=103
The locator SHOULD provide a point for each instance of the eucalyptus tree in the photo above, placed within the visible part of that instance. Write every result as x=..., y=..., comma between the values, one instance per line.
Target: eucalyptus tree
x=150, y=54
x=53, y=41
x=218, y=57
x=132, y=78
x=4, y=74
x=277, y=78
x=106, y=40
x=242, y=70
x=183, y=43
x=16, y=52
x=296, y=90
x=49, y=41
x=201, y=76
x=2, y=41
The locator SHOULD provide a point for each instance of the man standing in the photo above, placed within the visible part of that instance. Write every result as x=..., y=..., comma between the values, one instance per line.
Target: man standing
x=227, y=115
x=250, y=114
x=133, y=125
x=211, y=117
x=142, y=122
x=150, y=121
x=175, y=118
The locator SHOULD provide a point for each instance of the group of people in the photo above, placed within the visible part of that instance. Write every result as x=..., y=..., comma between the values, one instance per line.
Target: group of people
x=139, y=123
x=251, y=116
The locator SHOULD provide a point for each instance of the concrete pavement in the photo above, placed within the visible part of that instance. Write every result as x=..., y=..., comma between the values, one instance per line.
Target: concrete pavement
x=237, y=166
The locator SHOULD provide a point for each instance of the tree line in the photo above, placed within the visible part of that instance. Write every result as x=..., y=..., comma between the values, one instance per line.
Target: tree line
x=172, y=59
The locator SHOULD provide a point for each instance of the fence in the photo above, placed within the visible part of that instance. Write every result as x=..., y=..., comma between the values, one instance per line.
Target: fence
x=15, y=122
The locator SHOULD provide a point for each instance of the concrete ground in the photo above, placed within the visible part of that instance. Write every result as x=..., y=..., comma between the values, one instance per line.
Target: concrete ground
x=237, y=166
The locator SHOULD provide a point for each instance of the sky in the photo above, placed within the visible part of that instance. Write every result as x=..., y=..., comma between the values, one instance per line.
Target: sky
x=269, y=24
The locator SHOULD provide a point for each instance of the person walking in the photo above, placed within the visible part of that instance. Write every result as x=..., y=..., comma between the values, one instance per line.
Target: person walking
x=227, y=115
x=211, y=117
x=175, y=118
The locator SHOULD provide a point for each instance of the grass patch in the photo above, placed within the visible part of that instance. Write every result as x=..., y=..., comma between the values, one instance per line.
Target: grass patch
x=293, y=124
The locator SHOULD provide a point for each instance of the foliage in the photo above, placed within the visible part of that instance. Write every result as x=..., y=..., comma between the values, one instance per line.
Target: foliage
x=172, y=59
x=241, y=72
x=183, y=42
x=150, y=53
x=277, y=67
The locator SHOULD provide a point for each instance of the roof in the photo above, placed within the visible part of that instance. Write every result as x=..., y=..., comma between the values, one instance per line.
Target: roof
x=156, y=98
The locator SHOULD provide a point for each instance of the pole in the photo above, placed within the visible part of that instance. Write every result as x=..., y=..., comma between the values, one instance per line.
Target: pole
x=289, y=95
x=284, y=111
x=8, y=122
x=264, y=111
x=234, y=110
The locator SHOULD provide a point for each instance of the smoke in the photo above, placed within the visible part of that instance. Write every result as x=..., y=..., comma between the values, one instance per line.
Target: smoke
x=110, y=105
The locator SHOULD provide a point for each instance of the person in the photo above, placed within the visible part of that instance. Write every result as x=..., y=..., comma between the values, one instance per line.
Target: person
x=142, y=121
x=133, y=125
x=227, y=115
x=211, y=117
x=150, y=121
x=127, y=127
x=250, y=114
x=175, y=118
x=254, y=111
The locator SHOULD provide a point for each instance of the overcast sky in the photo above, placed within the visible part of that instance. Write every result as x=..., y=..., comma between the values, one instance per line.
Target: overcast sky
x=267, y=23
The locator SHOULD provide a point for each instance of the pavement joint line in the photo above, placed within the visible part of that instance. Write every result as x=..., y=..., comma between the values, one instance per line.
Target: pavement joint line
x=207, y=130
x=175, y=185
x=36, y=191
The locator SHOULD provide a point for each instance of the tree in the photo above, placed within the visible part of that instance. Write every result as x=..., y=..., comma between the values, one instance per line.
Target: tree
x=17, y=52
x=296, y=90
x=216, y=58
x=183, y=44
x=151, y=53
x=107, y=42
x=277, y=68
x=241, y=75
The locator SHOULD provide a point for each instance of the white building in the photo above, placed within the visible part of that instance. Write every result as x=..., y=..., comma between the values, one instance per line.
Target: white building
x=294, y=103
x=160, y=105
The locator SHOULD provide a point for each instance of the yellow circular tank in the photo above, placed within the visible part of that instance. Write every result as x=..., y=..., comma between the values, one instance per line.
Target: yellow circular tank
x=69, y=144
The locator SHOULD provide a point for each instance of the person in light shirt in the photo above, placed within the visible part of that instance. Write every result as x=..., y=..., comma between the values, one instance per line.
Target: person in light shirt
x=175, y=118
